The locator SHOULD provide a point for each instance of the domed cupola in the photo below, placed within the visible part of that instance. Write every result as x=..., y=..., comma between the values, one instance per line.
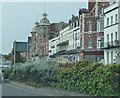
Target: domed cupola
x=44, y=21
x=35, y=27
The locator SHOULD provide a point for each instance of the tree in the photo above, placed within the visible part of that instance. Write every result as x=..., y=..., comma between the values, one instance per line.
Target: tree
x=19, y=58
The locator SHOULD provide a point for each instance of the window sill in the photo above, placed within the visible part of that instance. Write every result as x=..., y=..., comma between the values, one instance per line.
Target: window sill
x=89, y=47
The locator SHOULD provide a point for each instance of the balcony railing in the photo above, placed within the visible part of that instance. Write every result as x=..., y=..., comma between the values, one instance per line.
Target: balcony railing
x=63, y=43
x=112, y=44
x=52, y=46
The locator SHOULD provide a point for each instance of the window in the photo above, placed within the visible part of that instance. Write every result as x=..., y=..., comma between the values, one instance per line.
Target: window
x=89, y=27
x=40, y=41
x=89, y=42
x=75, y=24
x=107, y=57
x=107, y=38
x=98, y=27
x=40, y=36
x=102, y=42
x=78, y=23
x=111, y=20
x=98, y=44
x=40, y=51
x=116, y=18
x=75, y=36
x=101, y=11
x=111, y=38
x=111, y=57
x=115, y=35
x=102, y=27
x=107, y=21
x=44, y=36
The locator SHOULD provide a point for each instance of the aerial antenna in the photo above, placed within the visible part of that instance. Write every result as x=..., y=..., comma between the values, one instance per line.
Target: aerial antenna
x=44, y=7
x=36, y=19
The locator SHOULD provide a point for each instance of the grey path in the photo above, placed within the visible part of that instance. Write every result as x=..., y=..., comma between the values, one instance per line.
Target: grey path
x=18, y=89
x=10, y=90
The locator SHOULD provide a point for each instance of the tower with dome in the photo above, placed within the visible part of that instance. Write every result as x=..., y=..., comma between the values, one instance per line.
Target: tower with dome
x=40, y=37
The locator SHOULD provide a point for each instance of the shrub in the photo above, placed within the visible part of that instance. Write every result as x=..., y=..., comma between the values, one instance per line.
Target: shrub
x=40, y=72
x=7, y=72
x=93, y=79
x=96, y=79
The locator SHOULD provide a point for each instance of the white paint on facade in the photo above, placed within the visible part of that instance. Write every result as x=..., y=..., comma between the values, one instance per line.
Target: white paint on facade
x=111, y=34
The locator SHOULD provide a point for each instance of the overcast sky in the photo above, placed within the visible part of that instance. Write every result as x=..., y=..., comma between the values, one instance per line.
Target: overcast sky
x=18, y=18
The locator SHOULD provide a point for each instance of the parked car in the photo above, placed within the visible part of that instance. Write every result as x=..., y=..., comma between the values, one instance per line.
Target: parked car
x=4, y=65
x=1, y=77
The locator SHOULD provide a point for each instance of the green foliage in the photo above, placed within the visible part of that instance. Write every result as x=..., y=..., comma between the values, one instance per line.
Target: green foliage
x=19, y=58
x=7, y=72
x=93, y=79
x=96, y=79
x=40, y=72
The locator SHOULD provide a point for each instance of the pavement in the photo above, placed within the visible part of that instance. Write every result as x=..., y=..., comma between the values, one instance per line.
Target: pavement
x=10, y=88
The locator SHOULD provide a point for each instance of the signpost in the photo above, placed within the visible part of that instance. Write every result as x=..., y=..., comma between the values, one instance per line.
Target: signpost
x=19, y=47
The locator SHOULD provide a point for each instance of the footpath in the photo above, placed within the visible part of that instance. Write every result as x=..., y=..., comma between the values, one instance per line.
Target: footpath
x=48, y=90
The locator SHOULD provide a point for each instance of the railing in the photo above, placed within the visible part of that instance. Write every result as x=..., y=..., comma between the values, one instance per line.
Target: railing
x=52, y=46
x=112, y=44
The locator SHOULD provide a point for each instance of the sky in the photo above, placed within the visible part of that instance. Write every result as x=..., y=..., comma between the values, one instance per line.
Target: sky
x=18, y=18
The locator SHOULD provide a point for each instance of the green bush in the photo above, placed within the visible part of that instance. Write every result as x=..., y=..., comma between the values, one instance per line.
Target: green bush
x=40, y=72
x=7, y=72
x=93, y=79
x=96, y=79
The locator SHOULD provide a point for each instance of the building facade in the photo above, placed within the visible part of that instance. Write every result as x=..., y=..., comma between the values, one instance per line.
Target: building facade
x=67, y=42
x=112, y=34
x=83, y=38
x=41, y=34
x=90, y=35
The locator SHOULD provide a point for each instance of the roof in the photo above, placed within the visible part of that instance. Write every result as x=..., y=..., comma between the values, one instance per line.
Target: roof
x=34, y=29
x=101, y=19
x=44, y=20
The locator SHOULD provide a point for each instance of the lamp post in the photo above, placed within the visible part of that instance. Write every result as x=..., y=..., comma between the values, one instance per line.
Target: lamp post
x=14, y=52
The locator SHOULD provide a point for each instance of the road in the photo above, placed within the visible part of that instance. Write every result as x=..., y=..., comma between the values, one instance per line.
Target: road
x=18, y=89
x=11, y=90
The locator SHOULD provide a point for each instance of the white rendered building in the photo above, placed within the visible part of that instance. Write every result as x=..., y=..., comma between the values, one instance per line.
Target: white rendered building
x=112, y=34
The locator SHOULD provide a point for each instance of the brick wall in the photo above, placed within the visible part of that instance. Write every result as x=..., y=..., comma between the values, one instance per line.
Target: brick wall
x=91, y=4
x=94, y=41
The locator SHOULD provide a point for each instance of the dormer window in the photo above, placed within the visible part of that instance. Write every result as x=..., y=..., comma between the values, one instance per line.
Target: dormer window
x=101, y=11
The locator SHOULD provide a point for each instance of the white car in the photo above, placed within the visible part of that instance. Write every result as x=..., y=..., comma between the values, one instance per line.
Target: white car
x=4, y=65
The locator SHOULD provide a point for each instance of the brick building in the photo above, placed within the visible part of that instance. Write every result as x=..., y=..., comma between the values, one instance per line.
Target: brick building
x=41, y=34
x=88, y=31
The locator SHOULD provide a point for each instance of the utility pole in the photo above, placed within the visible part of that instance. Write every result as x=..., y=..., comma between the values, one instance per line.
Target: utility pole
x=14, y=51
x=27, y=51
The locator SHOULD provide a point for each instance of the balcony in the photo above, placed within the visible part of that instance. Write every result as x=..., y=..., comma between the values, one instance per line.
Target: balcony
x=71, y=52
x=113, y=44
x=61, y=52
x=52, y=46
x=63, y=43
x=49, y=51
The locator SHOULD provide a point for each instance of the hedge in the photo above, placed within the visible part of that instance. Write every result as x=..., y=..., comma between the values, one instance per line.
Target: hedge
x=42, y=73
x=96, y=79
